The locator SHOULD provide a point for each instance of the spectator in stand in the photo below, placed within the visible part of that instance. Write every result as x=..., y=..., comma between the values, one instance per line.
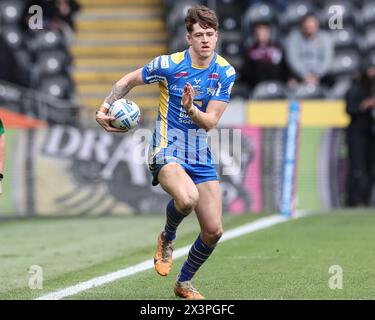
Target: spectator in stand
x=67, y=9
x=309, y=54
x=264, y=60
x=360, y=105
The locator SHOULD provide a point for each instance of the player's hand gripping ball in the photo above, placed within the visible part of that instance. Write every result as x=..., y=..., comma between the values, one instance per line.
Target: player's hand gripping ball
x=126, y=114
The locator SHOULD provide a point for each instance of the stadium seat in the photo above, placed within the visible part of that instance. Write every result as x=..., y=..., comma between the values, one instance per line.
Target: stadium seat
x=229, y=13
x=58, y=86
x=258, y=13
x=268, y=90
x=231, y=48
x=230, y=21
x=340, y=88
x=370, y=38
x=308, y=91
x=368, y=13
x=371, y=57
x=344, y=38
x=345, y=63
x=242, y=90
x=177, y=13
x=295, y=12
x=49, y=40
x=11, y=11
x=177, y=44
x=52, y=63
x=13, y=36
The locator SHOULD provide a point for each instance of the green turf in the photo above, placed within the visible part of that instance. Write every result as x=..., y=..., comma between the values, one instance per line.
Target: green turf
x=75, y=249
x=287, y=261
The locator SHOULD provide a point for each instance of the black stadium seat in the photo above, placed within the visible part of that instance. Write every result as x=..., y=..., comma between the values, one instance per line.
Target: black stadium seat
x=49, y=40
x=371, y=57
x=52, y=63
x=177, y=14
x=368, y=13
x=13, y=36
x=58, y=86
x=294, y=13
x=340, y=88
x=345, y=63
x=258, y=13
x=268, y=90
x=11, y=11
x=370, y=38
x=344, y=38
x=308, y=91
x=229, y=13
x=231, y=48
x=230, y=22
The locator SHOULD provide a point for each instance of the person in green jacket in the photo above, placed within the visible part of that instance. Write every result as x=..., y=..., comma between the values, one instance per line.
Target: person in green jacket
x=2, y=154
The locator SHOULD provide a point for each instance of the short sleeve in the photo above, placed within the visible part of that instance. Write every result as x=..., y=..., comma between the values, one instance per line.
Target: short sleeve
x=156, y=70
x=225, y=84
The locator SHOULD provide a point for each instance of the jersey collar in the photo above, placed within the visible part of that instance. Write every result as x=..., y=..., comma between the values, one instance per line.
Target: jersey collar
x=187, y=53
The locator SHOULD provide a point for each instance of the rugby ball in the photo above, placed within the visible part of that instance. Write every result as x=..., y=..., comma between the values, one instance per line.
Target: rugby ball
x=126, y=114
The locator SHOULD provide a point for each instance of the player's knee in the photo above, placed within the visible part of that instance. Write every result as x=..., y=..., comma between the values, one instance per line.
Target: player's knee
x=187, y=202
x=212, y=236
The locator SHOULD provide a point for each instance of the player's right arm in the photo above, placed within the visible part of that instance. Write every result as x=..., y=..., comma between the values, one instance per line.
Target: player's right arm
x=119, y=90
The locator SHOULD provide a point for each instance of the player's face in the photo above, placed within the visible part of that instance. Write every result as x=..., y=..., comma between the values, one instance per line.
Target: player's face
x=202, y=41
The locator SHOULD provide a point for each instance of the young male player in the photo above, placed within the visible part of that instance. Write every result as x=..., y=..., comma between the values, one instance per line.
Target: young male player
x=195, y=88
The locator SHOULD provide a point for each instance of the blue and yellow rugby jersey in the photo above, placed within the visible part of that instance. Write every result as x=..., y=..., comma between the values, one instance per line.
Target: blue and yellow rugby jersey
x=175, y=131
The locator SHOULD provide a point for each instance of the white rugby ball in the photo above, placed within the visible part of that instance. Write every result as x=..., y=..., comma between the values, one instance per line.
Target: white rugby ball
x=126, y=112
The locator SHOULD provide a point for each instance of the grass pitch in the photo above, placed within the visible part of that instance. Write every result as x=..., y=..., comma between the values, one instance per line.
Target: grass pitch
x=287, y=261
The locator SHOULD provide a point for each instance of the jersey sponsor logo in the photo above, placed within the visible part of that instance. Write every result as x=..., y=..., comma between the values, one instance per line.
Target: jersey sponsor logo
x=174, y=87
x=214, y=76
x=230, y=72
x=164, y=62
x=182, y=74
x=156, y=63
x=197, y=81
x=198, y=90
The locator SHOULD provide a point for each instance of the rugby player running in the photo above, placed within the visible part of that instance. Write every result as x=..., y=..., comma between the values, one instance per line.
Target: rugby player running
x=195, y=87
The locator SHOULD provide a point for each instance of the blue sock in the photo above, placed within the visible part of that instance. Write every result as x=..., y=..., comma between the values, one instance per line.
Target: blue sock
x=198, y=254
x=174, y=218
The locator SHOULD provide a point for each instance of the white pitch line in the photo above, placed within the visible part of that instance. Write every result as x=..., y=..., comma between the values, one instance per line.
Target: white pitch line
x=149, y=264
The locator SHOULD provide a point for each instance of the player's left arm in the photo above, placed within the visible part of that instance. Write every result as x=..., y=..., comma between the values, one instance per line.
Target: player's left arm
x=205, y=120
x=217, y=104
